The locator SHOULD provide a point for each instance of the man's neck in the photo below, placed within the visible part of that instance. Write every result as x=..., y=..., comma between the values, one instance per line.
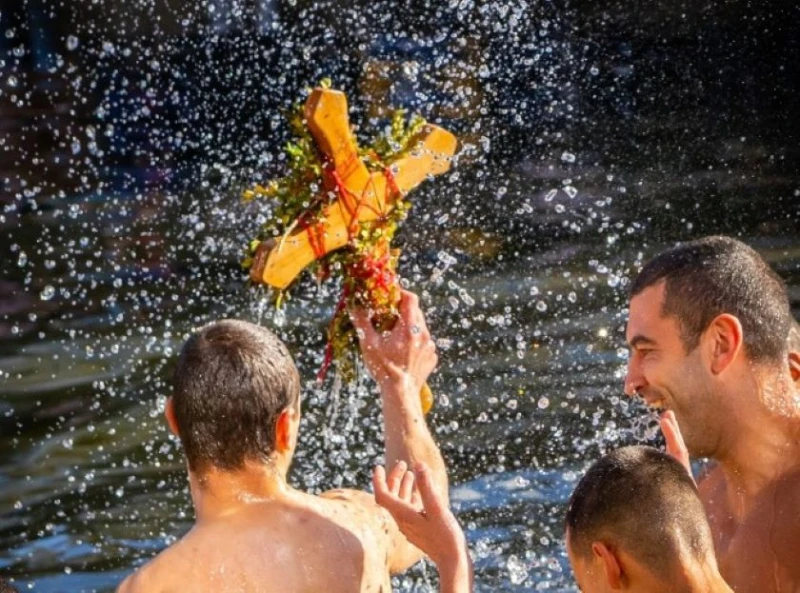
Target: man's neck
x=217, y=493
x=709, y=584
x=764, y=439
x=694, y=577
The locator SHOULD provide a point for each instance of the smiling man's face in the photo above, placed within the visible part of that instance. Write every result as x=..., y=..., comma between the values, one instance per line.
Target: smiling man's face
x=667, y=377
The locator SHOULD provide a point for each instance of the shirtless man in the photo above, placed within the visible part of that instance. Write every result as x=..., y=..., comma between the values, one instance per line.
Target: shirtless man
x=708, y=328
x=236, y=408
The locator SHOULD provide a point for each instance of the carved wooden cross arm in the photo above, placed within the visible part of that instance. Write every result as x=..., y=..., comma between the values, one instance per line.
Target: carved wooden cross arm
x=362, y=196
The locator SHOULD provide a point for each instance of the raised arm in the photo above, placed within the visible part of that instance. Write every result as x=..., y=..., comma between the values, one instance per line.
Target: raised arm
x=400, y=362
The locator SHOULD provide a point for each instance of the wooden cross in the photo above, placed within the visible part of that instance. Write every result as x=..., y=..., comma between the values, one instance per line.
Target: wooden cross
x=363, y=196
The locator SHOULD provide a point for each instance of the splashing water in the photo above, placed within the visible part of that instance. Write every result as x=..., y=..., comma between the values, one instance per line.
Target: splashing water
x=129, y=129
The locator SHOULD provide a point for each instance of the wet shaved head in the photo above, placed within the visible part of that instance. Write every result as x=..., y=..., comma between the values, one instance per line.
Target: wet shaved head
x=643, y=501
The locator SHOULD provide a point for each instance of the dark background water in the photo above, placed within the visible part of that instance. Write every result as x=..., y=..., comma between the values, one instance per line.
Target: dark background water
x=592, y=133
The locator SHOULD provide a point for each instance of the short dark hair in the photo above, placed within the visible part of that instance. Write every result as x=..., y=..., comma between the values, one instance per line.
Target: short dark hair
x=5, y=587
x=714, y=275
x=232, y=380
x=644, y=501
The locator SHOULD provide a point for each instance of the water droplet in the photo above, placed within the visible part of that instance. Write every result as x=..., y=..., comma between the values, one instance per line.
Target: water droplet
x=541, y=306
x=517, y=571
x=72, y=43
x=567, y=157
x=543, y=403
x=47, y=293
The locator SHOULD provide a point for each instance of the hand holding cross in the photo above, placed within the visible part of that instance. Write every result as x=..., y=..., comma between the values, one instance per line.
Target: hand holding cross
x=361, y=195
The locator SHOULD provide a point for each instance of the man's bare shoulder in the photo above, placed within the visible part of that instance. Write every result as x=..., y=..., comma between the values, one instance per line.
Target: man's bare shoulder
x=378, y=527
x=154, y=577
x=359, y=505
x=359, y=498
x=374, y=523
x=140, y=581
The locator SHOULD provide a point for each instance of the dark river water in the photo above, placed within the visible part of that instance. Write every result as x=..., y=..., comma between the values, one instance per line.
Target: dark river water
x=592, y=135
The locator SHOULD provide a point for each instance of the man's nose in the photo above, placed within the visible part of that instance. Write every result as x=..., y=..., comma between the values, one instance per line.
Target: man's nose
x=634, y=379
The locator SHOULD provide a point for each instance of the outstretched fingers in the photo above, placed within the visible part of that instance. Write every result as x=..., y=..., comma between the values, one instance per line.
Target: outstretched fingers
x=431, y=498
x=396, y=476
x=407, y=487
x=396, y=493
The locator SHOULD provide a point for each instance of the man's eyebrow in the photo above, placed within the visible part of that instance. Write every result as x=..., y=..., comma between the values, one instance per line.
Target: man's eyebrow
x=640, y=340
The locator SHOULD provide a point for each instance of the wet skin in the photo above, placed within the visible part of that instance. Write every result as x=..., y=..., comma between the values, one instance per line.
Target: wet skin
x=742, y=416
x=254, y=533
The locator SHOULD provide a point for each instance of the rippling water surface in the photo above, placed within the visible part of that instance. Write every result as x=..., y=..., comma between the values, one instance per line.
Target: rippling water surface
x=592, y=136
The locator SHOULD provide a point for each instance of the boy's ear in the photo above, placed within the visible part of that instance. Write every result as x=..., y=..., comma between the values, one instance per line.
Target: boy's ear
x=612, y=569
x=794, y=365
x=283, y=430
x=169, y=413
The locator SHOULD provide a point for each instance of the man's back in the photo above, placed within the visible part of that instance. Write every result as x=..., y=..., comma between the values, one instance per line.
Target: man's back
x=757, y=539
x=301, y=544
x=236, y=409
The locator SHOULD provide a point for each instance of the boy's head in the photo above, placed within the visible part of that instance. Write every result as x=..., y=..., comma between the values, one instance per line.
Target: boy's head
x=234, y=388
x=634, y=518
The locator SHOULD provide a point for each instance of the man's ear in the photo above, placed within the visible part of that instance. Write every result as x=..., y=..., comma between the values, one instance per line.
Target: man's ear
x=794, y=365
x=283, y=430
x=169, y=413
x=725, y=338
x=608, y=560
